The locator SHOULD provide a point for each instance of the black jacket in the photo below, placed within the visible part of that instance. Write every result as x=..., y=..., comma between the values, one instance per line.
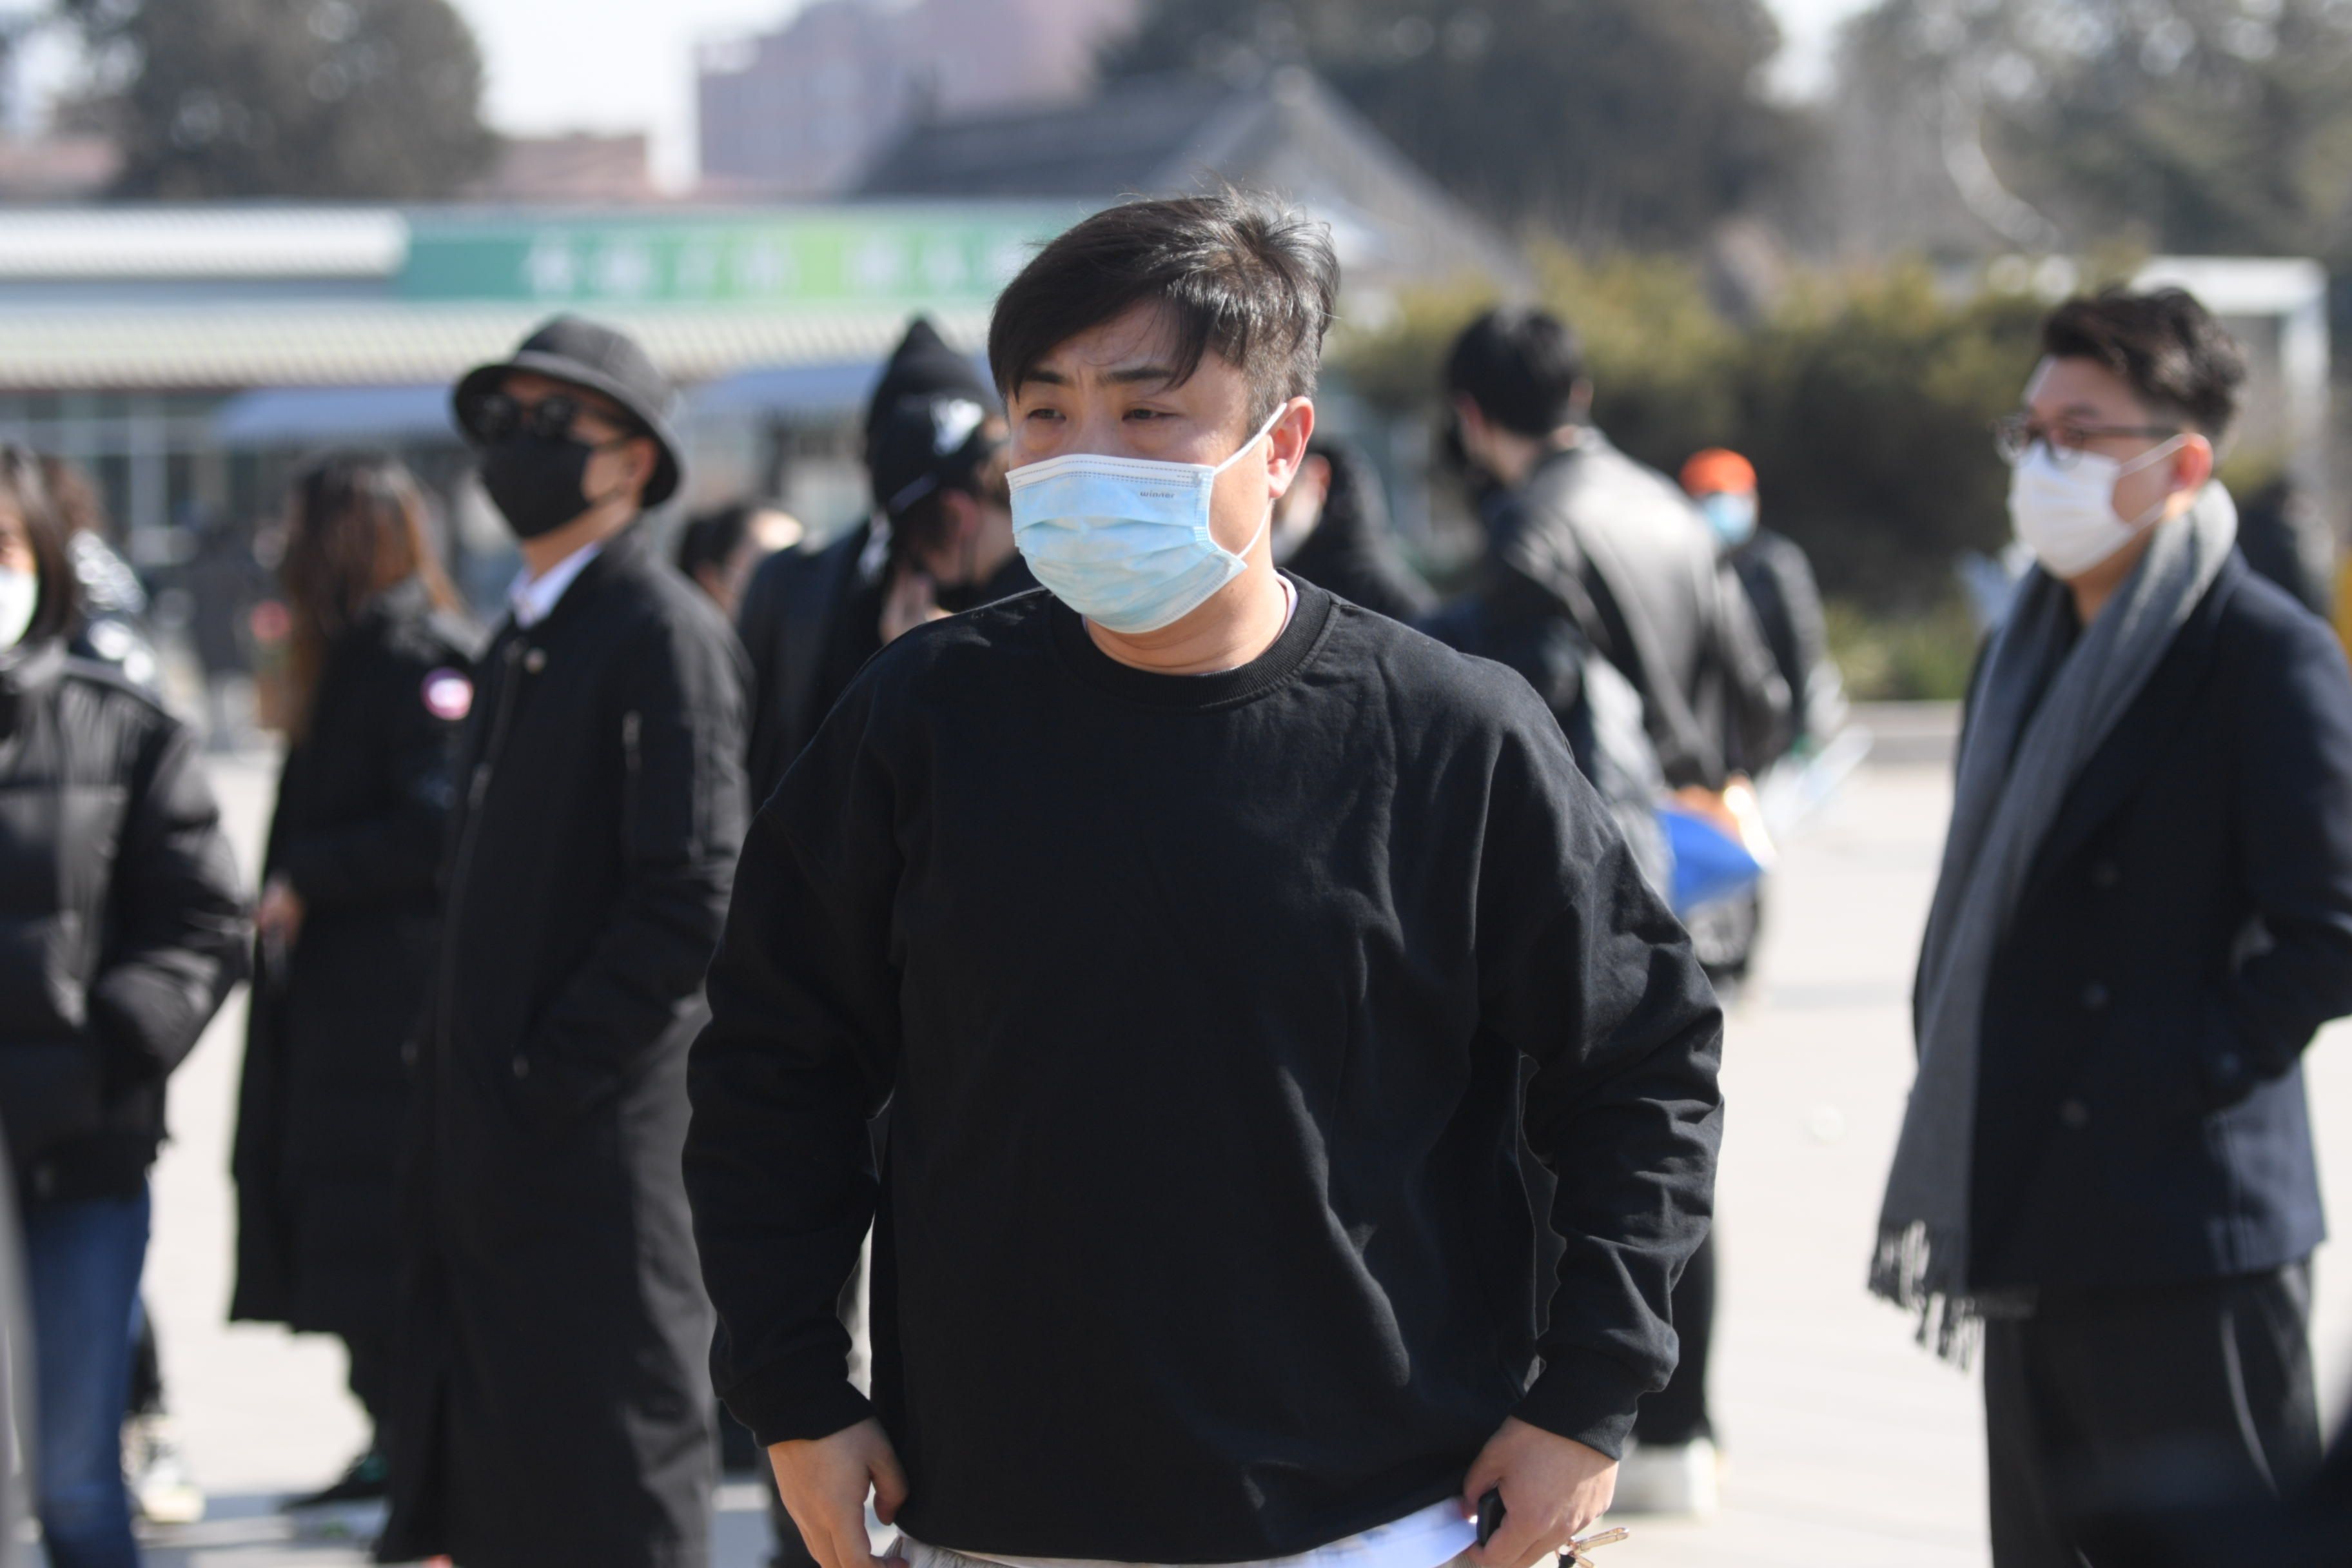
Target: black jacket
x=1351, y=552
x=121, y=927
x=1598, y=539
x=550, y=1401
x=2186, y=927
x=362, y=808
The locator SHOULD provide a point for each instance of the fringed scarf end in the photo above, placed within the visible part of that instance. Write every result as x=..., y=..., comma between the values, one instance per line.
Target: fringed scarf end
x=1918, y=1272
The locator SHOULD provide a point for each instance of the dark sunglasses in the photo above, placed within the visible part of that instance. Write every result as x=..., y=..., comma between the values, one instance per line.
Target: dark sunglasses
x=498, y=416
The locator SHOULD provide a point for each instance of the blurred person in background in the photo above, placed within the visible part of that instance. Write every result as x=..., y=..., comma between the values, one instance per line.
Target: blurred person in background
x=1578, y=533
x=2145, y=912
x=549, y=1397
x=720, y=549
x=1332, y=527
x=2284, y=538
x=811, y=618
x=124, y=930
x=1588, y=548
x=112, y=630
x=343, y=956
x=1780, y=588
x=938, y=479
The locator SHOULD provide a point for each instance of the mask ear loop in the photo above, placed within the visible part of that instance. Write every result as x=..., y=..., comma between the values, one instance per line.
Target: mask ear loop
x=1248, y=447
x=2147, y=459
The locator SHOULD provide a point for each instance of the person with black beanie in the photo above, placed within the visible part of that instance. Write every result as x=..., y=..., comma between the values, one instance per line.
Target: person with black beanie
x=810, y=619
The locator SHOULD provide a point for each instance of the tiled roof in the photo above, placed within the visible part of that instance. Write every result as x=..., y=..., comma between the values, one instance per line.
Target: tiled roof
x=383, y=342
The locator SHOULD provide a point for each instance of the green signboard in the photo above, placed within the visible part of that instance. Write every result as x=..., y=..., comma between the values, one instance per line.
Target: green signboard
x=832, y=256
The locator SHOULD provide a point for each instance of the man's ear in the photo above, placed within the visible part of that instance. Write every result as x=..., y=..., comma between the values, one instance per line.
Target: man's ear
x=1287, y=441
x=1579, y=401
x=2192, y=466
x=644, y=458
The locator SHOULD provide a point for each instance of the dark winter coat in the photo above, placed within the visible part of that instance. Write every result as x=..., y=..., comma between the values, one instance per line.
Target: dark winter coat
x=2186, y=927
x=550, y=1403
x=362, y=809
x=1351, y=552
x=1595, y=539
x=121, y=925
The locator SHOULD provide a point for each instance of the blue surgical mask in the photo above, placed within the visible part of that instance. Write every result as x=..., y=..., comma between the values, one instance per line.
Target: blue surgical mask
x=1124, y=541
x=1732, y=515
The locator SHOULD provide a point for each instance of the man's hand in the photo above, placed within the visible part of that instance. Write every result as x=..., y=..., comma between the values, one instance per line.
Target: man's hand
x=1553, y=1489
x=823, y=1481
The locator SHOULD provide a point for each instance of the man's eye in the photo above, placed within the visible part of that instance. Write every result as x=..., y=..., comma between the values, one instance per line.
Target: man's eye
x=1036, y=414
x=1147, y=413
x=2071, y=436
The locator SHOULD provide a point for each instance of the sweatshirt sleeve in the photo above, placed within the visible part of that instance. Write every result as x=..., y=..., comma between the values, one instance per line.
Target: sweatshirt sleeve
x=801, y=1048
x=1584, y=970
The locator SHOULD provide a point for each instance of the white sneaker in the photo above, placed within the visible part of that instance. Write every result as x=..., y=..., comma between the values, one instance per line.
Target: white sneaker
x=1682, y=1479
x=156, y=1475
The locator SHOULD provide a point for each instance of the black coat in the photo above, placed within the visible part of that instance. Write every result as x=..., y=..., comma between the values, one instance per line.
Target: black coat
x=550, y=1403
x=121, y=927
x=2185, y=929
x=362, y=808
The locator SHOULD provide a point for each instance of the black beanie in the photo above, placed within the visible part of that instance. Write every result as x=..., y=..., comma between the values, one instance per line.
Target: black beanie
x=923, y=365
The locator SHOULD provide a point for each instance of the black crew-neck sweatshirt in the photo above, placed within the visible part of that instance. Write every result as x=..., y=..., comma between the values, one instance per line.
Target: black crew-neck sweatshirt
x=1202, y=1000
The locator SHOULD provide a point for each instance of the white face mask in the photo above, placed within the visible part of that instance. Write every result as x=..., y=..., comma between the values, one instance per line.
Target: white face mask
x=1124, y=541
x=2066, y=516
x=20, y=593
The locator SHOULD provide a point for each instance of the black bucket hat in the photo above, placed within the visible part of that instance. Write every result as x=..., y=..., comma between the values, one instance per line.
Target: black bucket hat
x=589, y=354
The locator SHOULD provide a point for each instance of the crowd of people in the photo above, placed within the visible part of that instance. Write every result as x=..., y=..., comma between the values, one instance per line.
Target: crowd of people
x=1101, y=1018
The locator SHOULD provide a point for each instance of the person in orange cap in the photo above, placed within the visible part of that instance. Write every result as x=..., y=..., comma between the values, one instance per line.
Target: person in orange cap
x=1773, y=570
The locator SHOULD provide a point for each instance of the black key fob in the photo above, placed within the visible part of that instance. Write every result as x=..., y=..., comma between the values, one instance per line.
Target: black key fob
x=1490, y=1514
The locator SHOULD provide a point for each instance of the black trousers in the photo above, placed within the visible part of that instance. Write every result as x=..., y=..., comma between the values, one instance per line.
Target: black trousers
x=2108, y=1407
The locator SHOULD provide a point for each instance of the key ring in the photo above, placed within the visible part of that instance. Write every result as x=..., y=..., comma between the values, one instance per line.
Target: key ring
x=1572, y=1555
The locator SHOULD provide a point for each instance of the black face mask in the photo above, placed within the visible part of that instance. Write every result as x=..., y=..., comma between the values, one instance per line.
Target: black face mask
x=537, y=482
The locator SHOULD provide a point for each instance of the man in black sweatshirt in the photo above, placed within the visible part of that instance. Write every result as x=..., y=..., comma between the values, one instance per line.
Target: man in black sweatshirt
x=1195, y=924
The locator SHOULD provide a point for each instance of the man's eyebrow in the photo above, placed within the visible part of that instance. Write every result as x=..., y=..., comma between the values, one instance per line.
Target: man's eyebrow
x=1124, y=375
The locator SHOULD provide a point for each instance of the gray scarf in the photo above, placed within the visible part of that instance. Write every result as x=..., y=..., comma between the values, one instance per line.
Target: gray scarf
x=2016, y=765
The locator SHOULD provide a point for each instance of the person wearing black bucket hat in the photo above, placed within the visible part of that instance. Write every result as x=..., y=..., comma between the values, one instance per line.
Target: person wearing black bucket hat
x=810, y=619
x=548, y=1396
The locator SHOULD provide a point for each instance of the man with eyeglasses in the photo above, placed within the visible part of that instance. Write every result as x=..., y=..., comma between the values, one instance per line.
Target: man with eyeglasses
x=2105, y=1173
x=550, y=1401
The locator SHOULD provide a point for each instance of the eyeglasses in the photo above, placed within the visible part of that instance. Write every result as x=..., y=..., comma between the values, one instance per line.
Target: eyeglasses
x=498, y=416
x=2015, y=435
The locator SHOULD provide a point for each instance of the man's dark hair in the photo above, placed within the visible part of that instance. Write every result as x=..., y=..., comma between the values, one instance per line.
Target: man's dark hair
x=1238, y=277
x=1522, y=368
x=711, y=538
x=2164, y=345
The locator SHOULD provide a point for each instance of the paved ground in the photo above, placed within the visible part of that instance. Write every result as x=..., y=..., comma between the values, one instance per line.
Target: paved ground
x=1847, y=1445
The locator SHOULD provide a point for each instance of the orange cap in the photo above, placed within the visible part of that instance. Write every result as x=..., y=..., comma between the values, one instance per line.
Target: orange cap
x=1717, y=468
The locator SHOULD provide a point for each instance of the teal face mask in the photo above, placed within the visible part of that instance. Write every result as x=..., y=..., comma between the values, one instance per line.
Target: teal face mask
x=1732, y=515
x=1124, y=541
